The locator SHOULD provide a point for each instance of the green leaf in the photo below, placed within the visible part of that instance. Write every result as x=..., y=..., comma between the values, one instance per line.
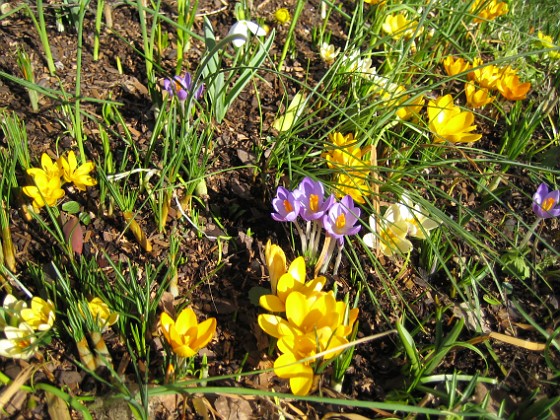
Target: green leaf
x=71, y=207
x=255, y=294
x=286, y=121
x=410, y=347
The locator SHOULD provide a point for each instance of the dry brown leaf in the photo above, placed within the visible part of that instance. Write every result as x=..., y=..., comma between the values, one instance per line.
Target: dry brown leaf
x=528, y=345
x=57, y=407
x=348, y=416
x=14, y=387
x=137, y=231
x=230, y=408
x=200, y=407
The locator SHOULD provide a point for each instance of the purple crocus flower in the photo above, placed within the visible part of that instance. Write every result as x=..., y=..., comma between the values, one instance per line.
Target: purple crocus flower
x=181, y=86
x=341, y=219
x=546, y=203
x=286, y=206
x=311, y=195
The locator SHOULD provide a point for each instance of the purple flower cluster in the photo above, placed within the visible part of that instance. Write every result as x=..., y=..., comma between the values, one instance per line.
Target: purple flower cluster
x=181, y=86
x=308, y=201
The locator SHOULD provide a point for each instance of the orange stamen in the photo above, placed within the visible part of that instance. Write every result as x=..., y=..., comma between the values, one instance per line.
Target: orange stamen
x=340, y=221
x=548, y=204
x=314, y=202
x=288, y=206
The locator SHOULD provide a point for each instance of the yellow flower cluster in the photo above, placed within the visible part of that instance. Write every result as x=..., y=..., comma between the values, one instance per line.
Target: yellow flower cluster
x=346, y=158
x=20, y=325
x=50, y=177
x=488, y=9
x=546, y=41
x=482, y=79
x=314, y=322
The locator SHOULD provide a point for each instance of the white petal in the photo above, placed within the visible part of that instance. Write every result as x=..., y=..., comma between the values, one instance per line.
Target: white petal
x=255, y=28
x=239, y=29
x=370, y=240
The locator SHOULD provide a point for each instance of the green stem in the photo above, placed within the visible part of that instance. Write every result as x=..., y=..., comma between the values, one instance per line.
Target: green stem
x=77, y=111
x=297, y=12
x=42, y=29
x=529, y=234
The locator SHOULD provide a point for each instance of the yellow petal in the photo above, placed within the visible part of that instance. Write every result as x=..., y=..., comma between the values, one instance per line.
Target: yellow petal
x=296, y=308
x=206, y=330
x=185, y=321
x=272, y=303
x=167, y=323
x=269, y=324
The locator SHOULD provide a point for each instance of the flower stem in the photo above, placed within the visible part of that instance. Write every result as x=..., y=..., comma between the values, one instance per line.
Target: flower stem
x=302, y=237
x=529, y=234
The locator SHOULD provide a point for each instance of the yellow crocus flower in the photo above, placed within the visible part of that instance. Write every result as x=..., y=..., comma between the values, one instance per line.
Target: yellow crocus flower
x=455, y=66
x=450, y=123
x=40, y=316
x=185, y=335
x=45, y=191
x=78, y=175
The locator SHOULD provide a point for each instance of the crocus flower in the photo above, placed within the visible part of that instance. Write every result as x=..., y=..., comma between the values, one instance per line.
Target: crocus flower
x=398, y=26
x=311, y=195
x=18, y=343
x=45, y=191
x=449, y=123
x=411, y=107
x=486, y=76
x=328, y=53
x=242, y=28
x=511, y=87
x=351, y=171
x=181, y=86
x=477, y=98
x=102, y=314
x=286, y=206
x=275, y=263
x=291, y=281
x=10, y=312
x=454, y=66
x=488, y=10
x=185, y=335
x=419, y=225
x=341, y=219
x=48, y=169
x=389, y=235
x=78, y=175
x=547, y=42
x=282, y=16
x=314, y=323
x=546, y=203
x=40, y=316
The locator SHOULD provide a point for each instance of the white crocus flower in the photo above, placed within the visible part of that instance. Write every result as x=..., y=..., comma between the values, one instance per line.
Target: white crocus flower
x=328, y=53
x=242, y=28
x=390, y=234
x=18, y=343
x=419, y=225
x=10, y=312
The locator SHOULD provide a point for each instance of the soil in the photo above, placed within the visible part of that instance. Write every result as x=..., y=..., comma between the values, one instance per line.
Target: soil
x=240, y=200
